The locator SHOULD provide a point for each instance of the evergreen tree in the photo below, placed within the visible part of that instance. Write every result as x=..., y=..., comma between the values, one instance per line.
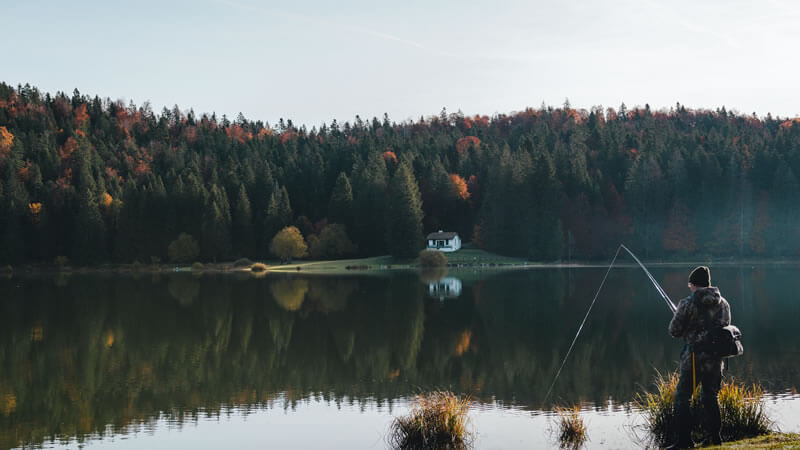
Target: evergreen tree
x=404, y=214
x=340, y=206
x=89, y=231
x=243, y=225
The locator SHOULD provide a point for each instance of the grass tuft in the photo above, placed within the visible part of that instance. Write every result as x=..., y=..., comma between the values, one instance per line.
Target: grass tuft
x=198, y=266
x=742, y=410
x=438, y=420
x=571, y=428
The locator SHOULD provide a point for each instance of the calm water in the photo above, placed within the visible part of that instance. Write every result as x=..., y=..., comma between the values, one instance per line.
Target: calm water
x=281, y=361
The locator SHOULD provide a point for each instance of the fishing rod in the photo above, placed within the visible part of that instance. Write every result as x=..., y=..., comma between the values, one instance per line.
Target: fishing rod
x=658, y=287
x=660, y=290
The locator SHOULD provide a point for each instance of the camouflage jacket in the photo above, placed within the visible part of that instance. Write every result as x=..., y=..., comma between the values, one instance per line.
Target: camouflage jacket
x=688, y=322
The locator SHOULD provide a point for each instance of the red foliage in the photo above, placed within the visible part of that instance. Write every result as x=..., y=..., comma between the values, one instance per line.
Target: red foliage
x=191, y=134
x=352, y=140
x=459, y=186
x=287, y=135
x=389, y=155
x=24, y=172
x=68, y=148
x=142, y=168
x=466, y=142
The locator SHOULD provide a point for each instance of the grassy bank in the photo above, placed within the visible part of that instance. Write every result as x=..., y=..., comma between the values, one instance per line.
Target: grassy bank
x=771, y=440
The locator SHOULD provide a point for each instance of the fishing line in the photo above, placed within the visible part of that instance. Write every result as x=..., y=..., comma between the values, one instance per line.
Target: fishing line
x=582, y=323
x=660, y=290
x=580, y=328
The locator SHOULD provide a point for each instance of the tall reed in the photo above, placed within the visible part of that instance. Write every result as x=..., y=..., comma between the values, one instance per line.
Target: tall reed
x=742, y=410
x=438, y=420
x=571, y=428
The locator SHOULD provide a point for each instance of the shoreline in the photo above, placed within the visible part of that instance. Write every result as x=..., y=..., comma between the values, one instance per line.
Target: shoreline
x=358, y=266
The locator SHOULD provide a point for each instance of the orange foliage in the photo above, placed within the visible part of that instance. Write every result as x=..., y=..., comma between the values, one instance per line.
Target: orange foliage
x=632, y=152
x=459, y=186
x=238, y=134
x=389, y=155
x=262, y=133
x=466, y=142
x=35, y=208
x=68, y=148
x=80, y=115
x=106, y=199
x=482, y=121
x=6, y=140
x=790, y=123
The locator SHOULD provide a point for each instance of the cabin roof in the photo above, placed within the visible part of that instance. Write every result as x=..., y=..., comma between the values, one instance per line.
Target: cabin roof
x=447, y=235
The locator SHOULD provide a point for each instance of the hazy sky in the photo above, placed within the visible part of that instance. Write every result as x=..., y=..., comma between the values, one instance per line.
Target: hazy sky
x=315, y=61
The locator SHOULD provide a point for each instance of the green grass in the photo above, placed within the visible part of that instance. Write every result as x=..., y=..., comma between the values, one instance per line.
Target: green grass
x=438, y=420
x=571, y=428
x=742, y=411
x=768, y=441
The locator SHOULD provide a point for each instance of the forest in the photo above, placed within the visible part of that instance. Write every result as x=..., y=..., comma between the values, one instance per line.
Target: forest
x=90, y=181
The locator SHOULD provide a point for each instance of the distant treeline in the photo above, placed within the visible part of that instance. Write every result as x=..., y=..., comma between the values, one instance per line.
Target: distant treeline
x=95, y=180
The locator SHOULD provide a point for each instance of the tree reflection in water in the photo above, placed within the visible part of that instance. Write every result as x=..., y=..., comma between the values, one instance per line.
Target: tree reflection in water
x=82, y=353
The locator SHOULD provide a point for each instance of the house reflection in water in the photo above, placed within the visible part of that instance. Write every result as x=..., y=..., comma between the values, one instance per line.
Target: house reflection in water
x=448, y=287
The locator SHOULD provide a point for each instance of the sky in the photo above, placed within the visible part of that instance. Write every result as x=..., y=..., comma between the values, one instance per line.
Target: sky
x=314, y=61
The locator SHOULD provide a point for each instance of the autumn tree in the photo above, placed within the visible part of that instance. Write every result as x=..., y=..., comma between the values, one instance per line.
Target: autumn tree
x=288, y=244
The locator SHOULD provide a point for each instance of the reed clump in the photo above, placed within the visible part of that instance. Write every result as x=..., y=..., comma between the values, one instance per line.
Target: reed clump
x=571, y=428
x=258, y=267
x=742, y=410
x=438, y=420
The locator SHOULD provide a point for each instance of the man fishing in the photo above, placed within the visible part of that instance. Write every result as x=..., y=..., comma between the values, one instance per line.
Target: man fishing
x=695, y=315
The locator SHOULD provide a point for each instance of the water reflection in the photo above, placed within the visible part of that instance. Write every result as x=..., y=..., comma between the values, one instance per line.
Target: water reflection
x=447, y=287
x=112, y=351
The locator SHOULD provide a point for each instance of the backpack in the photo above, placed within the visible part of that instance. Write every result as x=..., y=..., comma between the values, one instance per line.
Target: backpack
x=720, y=342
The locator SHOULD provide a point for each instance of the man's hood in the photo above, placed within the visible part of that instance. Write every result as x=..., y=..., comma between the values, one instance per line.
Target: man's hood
x=708, y=296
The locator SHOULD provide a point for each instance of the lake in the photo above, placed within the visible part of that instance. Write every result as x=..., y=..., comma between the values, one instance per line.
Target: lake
x=296, y=361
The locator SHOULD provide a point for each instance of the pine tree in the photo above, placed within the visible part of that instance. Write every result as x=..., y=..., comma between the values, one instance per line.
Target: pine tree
x=89, y=232
x=340, y=206
x=243, y=225
x=404, y=214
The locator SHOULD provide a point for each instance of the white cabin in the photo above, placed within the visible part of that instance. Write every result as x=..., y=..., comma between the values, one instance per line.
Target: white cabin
x=444, y=241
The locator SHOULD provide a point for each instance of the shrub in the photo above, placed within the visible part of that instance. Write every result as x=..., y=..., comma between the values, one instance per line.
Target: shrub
x=332, y=242
x=432, y=258
x=197, y=266
x=437, y=420
x=242, y=262
x=742, y=410
x=183, y=249
x=571, y=428
x=288, y=244
x=258, y=267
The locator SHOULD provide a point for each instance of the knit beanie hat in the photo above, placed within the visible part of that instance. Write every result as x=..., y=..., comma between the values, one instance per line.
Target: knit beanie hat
x=701, y=277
